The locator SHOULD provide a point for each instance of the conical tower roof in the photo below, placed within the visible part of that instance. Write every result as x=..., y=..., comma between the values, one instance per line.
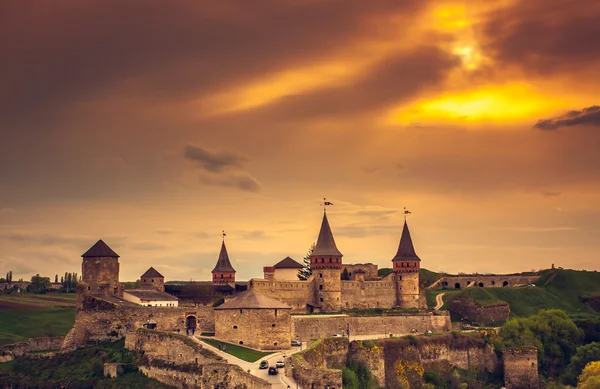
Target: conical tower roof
x=223, y=263
x=406, y=250
x=325, y=242
x=100, y=249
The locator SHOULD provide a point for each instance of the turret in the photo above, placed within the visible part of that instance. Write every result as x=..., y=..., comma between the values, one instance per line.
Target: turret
x=223, y=273
x=406, y=266
x=326, y=265
x=152, y=279
x=100, y=272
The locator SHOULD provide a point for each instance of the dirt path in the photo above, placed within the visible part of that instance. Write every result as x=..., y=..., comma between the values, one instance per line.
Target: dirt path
x=439, y=301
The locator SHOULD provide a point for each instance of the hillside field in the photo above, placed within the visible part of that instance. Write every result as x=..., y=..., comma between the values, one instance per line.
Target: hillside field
x=555, y=289
x=29, y=315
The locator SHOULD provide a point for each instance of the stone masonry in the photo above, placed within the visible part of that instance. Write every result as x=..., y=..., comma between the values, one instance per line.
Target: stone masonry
x=521, y=368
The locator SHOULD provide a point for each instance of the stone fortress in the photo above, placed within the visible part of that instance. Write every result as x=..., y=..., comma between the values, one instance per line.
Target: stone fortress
x=263, y=313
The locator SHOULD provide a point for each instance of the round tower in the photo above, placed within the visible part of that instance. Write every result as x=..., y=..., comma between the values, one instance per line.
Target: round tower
x=326, y=265
x=406, y=266
x=223, y=273
x=100, y=272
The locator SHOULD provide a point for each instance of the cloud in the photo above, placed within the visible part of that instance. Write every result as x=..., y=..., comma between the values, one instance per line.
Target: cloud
x=222, y=168
x=240, y=180
x=7, y=211
x=586, y=116
x=213, y=161
x=546, y=193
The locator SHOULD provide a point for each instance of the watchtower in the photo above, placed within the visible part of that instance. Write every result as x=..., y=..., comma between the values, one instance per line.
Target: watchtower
x=326, y=265
x=100, y=272
x=223, y=273
x=406, y=266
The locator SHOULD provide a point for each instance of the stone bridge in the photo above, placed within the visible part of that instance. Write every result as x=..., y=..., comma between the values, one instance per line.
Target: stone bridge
x=463, y=281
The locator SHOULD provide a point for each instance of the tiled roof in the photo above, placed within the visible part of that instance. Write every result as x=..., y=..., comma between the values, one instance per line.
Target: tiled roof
x=223, y=263
x=251, y=299
x=151, y=295
x=325, y=243
x=288, y=263
x=152, y=272
x=100, y=249
x=406, y=250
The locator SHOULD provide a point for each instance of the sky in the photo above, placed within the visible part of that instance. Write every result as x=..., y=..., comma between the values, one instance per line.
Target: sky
x=154, y=126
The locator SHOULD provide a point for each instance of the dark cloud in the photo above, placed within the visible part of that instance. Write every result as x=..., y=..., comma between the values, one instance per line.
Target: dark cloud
x=545, y=36
x=240, y=180
x=213, y=161
x=393, y=80
x=78, y=51
x=587, y=116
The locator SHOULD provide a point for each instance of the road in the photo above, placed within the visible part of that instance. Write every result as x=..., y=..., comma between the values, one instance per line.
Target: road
x=439, y=301
x=279, y=381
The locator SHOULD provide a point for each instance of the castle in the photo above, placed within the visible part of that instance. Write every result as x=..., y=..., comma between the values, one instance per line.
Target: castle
x=332, y=287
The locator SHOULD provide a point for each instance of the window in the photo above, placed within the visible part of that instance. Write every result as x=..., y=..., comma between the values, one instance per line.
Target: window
x=321, y=299
x=144, y=280
x=322, y=260
x=276, y=313
x=320, y=275
x=235, y=327
x=221, y=275
x=273, y=325
x=241, y=311
x=320, y=287
x=153, y=280
x=241, y=342
x=275, y=344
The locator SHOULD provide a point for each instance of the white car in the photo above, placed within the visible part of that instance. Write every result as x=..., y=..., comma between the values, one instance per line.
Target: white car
x=279, y=364
x=337, y=335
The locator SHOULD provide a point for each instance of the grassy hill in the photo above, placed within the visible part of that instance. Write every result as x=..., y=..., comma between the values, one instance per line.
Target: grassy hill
x=29, y=315
x=555, y=289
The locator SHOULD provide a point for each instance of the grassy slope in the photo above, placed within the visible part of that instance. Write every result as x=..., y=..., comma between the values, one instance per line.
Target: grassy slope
x=82, y=368
x=46, y=314
x=556, y=289
x=240, y=352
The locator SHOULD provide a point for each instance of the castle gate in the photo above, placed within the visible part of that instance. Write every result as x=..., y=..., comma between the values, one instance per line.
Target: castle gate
x=190, y=322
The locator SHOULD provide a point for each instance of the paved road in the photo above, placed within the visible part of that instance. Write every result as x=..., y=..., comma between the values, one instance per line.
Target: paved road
x=439, y=301
x=280, y=381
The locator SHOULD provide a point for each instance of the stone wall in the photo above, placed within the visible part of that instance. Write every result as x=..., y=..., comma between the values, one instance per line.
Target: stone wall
x=521, y=368
x=369, y=269
x=371, y=354
x=296, y=294
x=320, y=365
x=488, y=281
x=328, y=289
x=264, y=329
x=10, y=351
x=173, y=348
x=307, y=327
x=104, y=321
x=113, y=370
x=368, y=294
x=100, y=276
x=480, y=314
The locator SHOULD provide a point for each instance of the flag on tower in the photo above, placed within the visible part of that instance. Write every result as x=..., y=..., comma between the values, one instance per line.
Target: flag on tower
x=328, y=203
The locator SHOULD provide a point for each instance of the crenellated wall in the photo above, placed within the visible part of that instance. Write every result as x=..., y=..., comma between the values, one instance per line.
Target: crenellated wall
x=296, y=294
x=307, y=327
x=368, y=294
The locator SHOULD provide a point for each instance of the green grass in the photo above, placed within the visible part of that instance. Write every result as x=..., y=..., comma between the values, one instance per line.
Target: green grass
x=82, y=368
x=240, y=352
x=428, y=277
x=556, y=289
x=36, y=315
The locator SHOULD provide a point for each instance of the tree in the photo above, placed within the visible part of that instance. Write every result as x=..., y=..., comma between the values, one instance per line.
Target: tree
x=9, y=276
x=306, y=271
x=552, y=332
x=39, y=283
x=590, y=377
x=584, y=355
x=56, y=278
x=345, y=275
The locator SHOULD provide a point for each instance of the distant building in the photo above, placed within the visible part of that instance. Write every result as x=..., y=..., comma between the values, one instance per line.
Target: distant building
x=223, y=273
x=150, y=298
x=152, y=279
x=286, y=269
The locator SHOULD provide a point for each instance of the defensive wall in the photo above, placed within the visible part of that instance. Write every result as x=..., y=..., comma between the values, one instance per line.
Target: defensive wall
x=370, y=270
x=369, y=294
x=181, y=362
x=521, y=368
x=11, y=351
x=101, y=320
x=463, y=281
x=296, y=294
x=307, y=327
x=480, y=314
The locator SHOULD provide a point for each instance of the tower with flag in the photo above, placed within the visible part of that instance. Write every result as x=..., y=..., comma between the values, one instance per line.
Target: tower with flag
x=326, y=265
x=406, y=265
x=223, y=273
